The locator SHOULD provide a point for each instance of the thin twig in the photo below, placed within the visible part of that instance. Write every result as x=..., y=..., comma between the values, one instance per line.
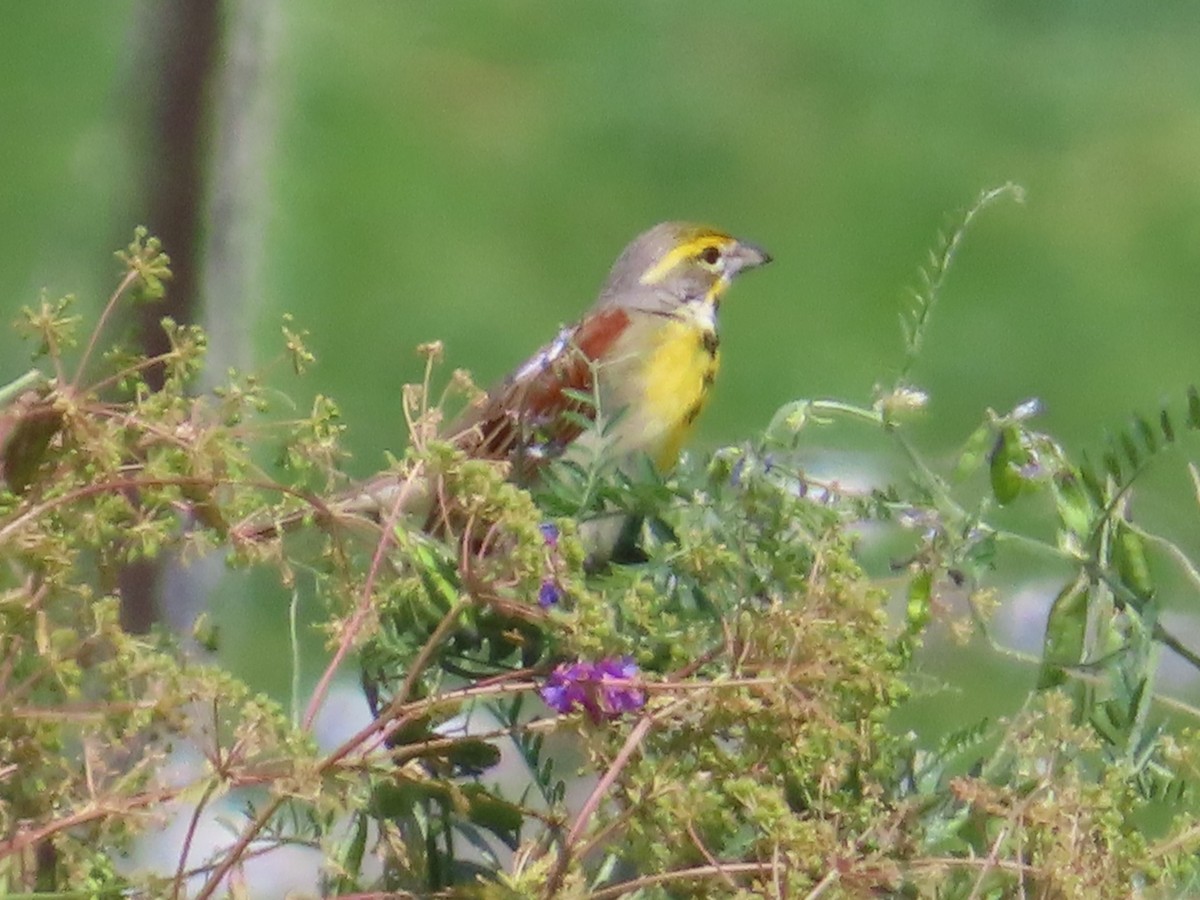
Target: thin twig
x=635, y=738
x=189, y=836
x=239, y=847
x=697, y=872
x=23, y=840
x=831, y=878
x=990, y=864
x=116, y=486
x=130, y=277
x=361, y=613
x=712, y=860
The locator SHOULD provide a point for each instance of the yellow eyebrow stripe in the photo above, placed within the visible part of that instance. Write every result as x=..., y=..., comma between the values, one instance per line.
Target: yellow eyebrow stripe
x=686, y=250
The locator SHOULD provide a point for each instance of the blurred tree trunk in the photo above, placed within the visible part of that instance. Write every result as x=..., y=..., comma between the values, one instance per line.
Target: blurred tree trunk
x=182, y=41
x=212, y=128
x=235, y=204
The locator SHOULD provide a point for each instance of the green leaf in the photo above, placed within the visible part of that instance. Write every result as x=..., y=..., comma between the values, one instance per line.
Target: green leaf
x=1129, y=557
x=1168, y=428
x=437, y=573
x=1112, y=463
x=1009, y=456
x=350, y=864
x=1066, y=631
x=1076, y=513
x=1095, y=487
x=920, y=594
x=398, y=799
x=414, y=731
x=500, y=817
x=974, y=451
x=1147, y=433
x=473, y=756
x=1129, y=445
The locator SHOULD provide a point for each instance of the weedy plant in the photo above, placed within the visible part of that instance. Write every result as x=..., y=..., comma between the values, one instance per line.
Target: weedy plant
x=709, y=714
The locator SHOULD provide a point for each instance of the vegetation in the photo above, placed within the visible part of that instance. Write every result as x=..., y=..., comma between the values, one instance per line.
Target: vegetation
x=728, y=689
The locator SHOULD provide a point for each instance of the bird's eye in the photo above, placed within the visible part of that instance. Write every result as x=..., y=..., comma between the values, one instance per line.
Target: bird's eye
x=709, y=255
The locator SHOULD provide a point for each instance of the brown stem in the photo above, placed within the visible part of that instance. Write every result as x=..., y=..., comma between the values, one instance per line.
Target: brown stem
x=385, y=543
x=626, y=888
x=636, y=736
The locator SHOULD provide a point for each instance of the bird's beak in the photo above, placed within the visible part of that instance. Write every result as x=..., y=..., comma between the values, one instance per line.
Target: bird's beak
x=747, y=256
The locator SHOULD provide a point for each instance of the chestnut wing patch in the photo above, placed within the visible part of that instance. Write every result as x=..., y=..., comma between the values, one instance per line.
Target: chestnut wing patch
x=535, y=413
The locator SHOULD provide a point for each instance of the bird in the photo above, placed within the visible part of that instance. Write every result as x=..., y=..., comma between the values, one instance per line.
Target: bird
x=645, y=355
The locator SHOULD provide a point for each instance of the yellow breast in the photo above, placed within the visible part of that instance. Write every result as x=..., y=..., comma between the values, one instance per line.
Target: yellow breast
x=679, y=371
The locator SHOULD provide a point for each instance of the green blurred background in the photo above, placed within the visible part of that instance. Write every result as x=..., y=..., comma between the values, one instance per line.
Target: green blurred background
x=395, y=172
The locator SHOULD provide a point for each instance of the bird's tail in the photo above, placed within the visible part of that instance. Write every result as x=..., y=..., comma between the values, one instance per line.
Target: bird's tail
x=390, y=496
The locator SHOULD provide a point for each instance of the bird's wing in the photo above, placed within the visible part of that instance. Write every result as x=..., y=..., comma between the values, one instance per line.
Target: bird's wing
x=527, y=419
x=535, y=413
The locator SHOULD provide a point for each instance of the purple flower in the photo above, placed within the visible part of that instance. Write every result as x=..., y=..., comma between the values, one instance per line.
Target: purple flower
x=549, y=594
x=549, y=533
x=621, y=696
x=566, y=688
x=603, y=690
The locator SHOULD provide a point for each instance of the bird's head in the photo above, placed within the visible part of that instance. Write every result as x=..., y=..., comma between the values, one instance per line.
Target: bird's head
x=680, y=262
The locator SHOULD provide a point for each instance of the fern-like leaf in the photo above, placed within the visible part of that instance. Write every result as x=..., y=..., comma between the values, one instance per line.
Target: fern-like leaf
x=915, y=320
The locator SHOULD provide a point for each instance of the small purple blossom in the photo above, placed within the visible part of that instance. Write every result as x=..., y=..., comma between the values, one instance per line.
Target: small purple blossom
x=549, y=533
x=1032, y=469
x=549, y=594
x=604, y=689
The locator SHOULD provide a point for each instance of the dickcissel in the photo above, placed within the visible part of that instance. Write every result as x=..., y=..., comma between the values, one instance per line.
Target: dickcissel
x=645, y=355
